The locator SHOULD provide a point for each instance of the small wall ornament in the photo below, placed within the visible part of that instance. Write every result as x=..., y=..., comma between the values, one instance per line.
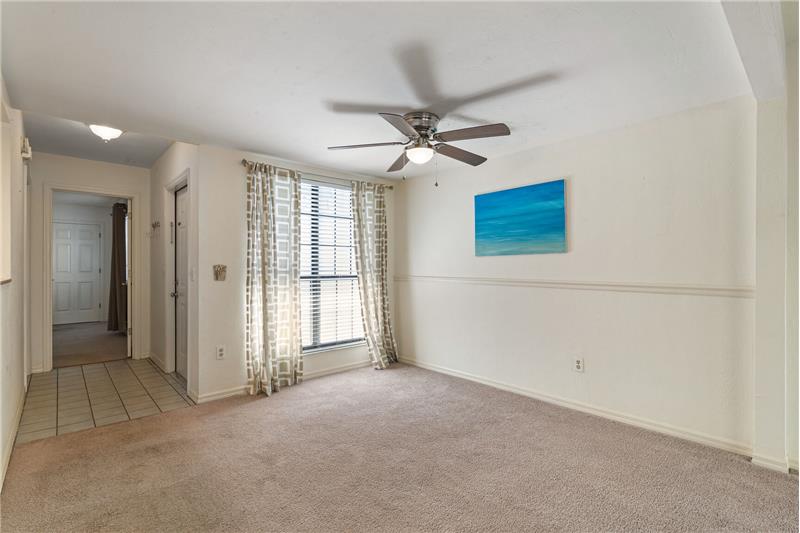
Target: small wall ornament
x=219, y=272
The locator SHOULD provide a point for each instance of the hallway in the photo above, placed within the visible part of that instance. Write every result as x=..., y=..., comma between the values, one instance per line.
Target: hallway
x=85, y=343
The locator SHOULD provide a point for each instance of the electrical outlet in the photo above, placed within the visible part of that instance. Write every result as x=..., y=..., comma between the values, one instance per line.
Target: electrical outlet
x=577, y=364
x=220, y=352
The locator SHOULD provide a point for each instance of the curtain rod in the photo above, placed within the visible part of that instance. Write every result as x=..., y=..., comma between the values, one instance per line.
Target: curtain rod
x=245, y=162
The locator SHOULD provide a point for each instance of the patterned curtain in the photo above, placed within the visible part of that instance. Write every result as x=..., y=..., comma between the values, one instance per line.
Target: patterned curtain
x=273, y=347
x=369, y=232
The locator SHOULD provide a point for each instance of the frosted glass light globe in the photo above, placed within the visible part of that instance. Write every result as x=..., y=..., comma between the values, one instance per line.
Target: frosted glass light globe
x=106, y=133
x=419, y=154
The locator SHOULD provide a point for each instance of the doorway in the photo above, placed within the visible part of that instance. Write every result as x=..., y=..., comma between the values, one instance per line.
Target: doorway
x=181, y=286
x=90, y=273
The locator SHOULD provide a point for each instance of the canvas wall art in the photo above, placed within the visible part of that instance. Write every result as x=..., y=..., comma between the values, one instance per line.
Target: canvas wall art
x=524, y=220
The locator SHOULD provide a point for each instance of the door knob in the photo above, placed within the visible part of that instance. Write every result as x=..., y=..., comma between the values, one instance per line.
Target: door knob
x=173, y=294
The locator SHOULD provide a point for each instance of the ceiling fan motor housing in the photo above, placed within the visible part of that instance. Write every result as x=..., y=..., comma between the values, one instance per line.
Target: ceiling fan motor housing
x=423, y=122
x=423, y=139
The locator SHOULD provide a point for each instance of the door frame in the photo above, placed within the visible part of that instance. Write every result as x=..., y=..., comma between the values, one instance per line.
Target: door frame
x=179, y=182
x=137, y=284
x=174, y=246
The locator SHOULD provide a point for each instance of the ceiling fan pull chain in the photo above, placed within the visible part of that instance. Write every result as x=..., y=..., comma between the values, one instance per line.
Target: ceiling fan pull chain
x=436, y=170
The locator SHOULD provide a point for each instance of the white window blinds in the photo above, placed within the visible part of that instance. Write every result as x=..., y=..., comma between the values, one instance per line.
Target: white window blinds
x=329, y=299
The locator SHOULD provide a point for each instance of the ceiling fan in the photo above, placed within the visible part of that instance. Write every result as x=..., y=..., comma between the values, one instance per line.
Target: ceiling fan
x=423, y=139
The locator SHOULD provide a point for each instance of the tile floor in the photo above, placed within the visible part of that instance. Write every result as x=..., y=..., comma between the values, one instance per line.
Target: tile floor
x=82, y=397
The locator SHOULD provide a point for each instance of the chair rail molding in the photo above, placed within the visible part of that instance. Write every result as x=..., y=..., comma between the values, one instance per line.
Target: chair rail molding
x=719, y=291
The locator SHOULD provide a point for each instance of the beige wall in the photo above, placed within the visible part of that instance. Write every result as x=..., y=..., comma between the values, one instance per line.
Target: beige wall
x=12, y=294
x=792, y=257
x=49, y=172
x=224, y=231
x=655, y=293
x=176, y=166
x=218, y=212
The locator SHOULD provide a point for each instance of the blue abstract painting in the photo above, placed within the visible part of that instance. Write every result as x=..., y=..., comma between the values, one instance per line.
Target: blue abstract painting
x=525, y=220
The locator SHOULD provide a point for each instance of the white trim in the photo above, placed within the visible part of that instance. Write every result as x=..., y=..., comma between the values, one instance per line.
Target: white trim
x=168, y=192
x=334, y=348
x=720, y=291
x=667, y=429
x=336, y=369
x=793, y=464
x=138, y=286
x=154, y=357
x=244, y=389
x=771, y=463
x=219, y=395
x=335, y=183
x=12, y=436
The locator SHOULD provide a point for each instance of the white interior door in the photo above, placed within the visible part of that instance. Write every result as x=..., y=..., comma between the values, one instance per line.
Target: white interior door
x=77, y=294
x=181, y=279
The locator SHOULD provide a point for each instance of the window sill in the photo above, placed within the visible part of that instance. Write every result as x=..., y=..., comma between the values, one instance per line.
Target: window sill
x=318, y=351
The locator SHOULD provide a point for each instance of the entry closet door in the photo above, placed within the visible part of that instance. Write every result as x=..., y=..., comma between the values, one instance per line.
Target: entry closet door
x=181, y=279
x=77, y=293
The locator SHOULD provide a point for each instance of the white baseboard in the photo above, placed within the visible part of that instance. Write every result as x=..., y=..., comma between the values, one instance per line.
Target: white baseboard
x=781, y=465
x=244, y=389
x=12, y=436
x=219, y=395
x=335, y=370
x=793, y=463
x=159, y=363
x=700, y=438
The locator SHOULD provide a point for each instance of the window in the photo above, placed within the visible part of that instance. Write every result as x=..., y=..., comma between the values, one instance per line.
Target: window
x=330, y=303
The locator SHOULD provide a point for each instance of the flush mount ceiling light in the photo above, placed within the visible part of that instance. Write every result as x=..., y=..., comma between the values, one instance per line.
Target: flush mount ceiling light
x=107, y=133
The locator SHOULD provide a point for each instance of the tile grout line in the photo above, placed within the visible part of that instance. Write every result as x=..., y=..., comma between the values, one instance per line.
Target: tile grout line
x=164, y=377
x=145, y=388
x=88, y=399
x=115, y=390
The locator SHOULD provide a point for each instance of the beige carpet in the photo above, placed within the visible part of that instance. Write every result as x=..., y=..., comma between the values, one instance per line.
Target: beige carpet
x=87, y=343
x=397, y=450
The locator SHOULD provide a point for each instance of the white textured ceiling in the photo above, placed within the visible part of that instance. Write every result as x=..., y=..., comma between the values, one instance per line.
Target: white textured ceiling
x=73, y=138
x=289, y=79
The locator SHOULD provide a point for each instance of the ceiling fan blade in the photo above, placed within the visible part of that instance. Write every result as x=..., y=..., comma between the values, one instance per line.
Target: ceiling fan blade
x=459, y=154
x=398, y=122
x=478, y=132
x=399, y=163
x=372, y=145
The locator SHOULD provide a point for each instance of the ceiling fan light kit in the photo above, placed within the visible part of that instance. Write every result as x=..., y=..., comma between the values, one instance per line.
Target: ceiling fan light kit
x=420, y=153
x=424, y=140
